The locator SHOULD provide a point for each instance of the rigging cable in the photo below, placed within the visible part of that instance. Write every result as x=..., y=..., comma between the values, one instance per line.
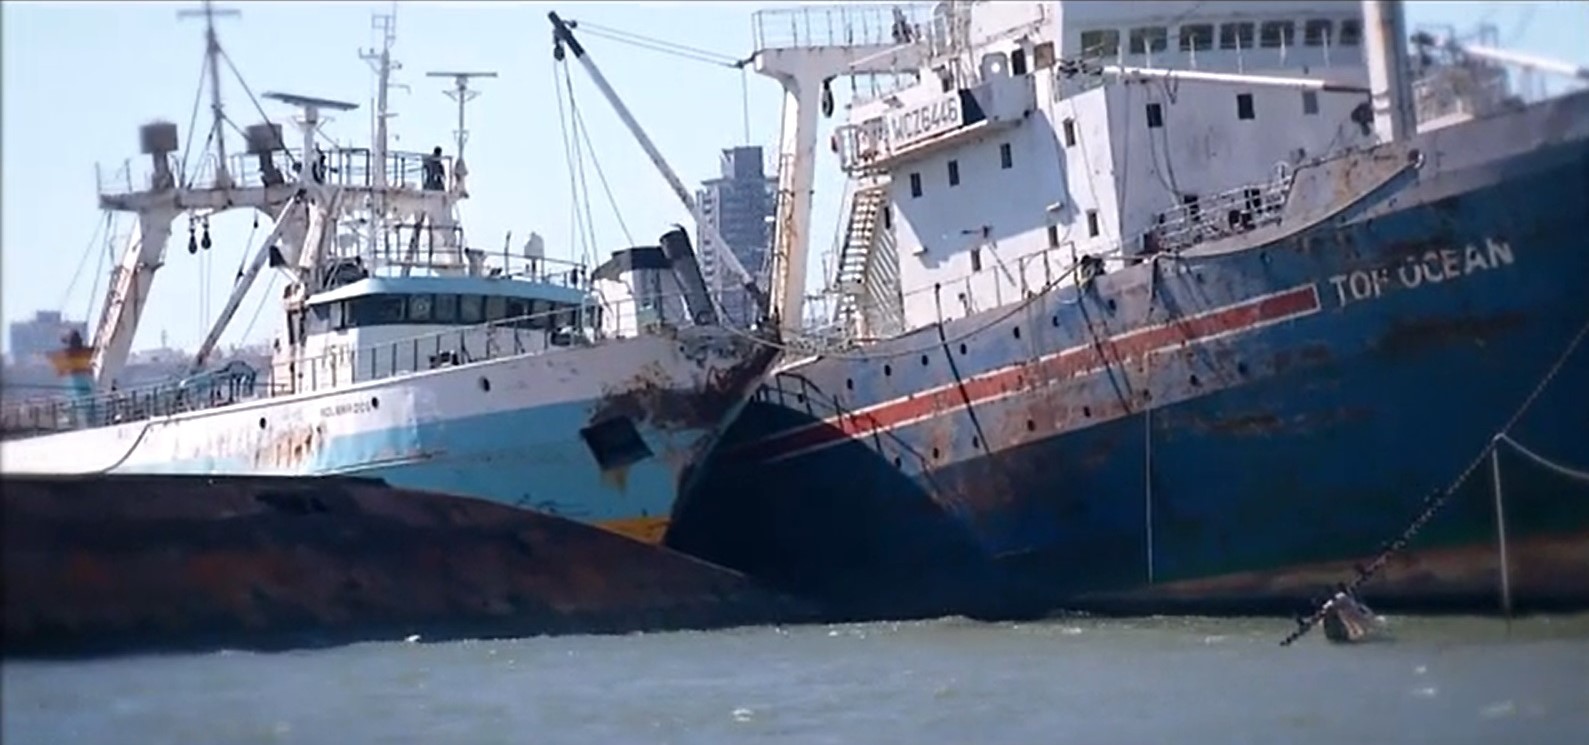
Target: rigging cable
x=568, y=157
x=583, y=133
x=99, y=227
x=660, y=45
x=193, y=120
x=579, y=159
x=99, y=269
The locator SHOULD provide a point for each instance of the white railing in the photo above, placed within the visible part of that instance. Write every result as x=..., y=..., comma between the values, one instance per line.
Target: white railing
x=346, y=167
x=834, y=25
x=537, y=333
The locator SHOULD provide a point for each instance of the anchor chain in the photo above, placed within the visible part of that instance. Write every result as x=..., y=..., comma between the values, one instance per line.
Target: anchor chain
x=1437, y=500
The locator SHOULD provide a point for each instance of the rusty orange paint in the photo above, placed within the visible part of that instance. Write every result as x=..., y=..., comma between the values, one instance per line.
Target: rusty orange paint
x=644, y=529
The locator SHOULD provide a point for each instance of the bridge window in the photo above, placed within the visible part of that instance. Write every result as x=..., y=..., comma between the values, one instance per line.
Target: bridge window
x=1351, y=32
x=1100, y=43
x=446, y=309
x=470, y=310
x=1149, y=40
x=954, y=173
x=1235, y=36
x=1276, y=34
x=1197, y=37
x=1316, y=32
x=1244, y=108
x=420, y=307
x=496, y=308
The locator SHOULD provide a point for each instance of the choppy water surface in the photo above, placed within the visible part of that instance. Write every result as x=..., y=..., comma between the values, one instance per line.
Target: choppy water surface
x=949, y=681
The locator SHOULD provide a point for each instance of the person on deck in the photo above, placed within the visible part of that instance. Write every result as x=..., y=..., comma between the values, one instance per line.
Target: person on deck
x=435, y=173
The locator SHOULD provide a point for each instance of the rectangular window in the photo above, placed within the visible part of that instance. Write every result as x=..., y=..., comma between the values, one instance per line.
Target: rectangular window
x=1155, y=116
x=1149, y=40
x=518, y=311
x=1351, y=32
x=420, y=308
x=954, y=173
x=1192, y=208
x=469, y=310
x=496, y=308
x=1100, y=43
x=1310, y=102
x=1276, y=34
x=1018, y=62
x=1316, y=32
x=1244, y=108
x=1235, y=36
x=1092, y=223
x=1197, y=37
x=1043, y=55
x=1006, y=158
x=915, y=185
x=446, y=308
x=1053, y=236
x=888, y=217
x=1070, y=132
x=976, y=259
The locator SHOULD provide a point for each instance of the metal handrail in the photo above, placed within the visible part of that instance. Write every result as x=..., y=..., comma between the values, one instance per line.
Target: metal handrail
x=493, y=340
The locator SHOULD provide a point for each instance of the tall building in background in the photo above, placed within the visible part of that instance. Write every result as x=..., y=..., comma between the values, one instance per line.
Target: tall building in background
x=33, y=339
x=740, y=204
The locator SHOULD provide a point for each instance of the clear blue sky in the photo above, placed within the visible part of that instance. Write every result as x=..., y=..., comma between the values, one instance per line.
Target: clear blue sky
x=80, y=77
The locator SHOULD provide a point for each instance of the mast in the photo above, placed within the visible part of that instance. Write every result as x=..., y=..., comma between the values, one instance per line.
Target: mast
x=384, y=65
x=463, y=94
x=212, y=54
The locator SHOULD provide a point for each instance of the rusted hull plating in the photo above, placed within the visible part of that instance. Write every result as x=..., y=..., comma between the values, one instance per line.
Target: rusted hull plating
x=145, y=563
x=1213, y=430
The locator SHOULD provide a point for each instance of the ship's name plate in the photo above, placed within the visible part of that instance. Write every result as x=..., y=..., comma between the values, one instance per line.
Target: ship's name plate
x=928, y=120
x=1423, y=270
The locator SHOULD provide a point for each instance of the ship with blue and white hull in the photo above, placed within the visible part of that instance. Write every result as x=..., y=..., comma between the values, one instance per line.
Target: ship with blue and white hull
x=1174, y=306
x=588, y=393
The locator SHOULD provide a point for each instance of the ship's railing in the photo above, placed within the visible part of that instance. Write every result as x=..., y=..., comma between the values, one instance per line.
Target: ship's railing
x=1239, y=210
x=347, y=167
x=836, y=25
x=580, y=324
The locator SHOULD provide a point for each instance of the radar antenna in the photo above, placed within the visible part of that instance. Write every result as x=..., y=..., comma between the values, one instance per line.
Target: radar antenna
x=463, y=94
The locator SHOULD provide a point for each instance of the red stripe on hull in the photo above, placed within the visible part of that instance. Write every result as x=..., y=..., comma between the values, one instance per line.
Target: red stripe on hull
x=1064, y=365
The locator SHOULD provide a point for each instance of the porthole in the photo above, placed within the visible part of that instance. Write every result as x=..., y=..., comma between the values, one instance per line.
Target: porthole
x=887, y=370
x=976, y=442
x=1241, y=368
x=1054, y=321
x=262, y=422
x=849, y=384
x=935, y=453
x=1194, y=381
x=924, y=360
x=375, y=403
x=897, y=462
x=1017, y=331
x=485, y=384
x=962, y=348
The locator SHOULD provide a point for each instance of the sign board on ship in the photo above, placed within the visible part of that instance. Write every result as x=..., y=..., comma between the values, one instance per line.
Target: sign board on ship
x=940, y=115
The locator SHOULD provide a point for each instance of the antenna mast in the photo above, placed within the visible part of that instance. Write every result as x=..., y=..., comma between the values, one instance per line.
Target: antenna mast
x=212, y=53
x=463, y=94
x=382, y=61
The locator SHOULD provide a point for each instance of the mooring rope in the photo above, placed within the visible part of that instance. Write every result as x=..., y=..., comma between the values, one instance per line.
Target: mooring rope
x=1437, y=500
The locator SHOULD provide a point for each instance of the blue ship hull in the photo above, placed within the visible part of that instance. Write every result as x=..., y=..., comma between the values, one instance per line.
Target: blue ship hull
x=1214, y=431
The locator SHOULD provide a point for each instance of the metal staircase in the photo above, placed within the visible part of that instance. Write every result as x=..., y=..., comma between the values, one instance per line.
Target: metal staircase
x=867, y=277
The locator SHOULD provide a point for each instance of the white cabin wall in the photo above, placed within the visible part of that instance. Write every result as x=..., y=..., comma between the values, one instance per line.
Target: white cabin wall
x=1204, y=148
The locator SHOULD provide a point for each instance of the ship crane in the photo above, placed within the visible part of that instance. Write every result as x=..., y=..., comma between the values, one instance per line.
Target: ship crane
x=563, y=37
x=307, y=193
x=159, y=201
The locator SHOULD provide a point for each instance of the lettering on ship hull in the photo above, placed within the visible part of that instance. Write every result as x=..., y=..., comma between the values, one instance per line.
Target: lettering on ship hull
x=1425, y=270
